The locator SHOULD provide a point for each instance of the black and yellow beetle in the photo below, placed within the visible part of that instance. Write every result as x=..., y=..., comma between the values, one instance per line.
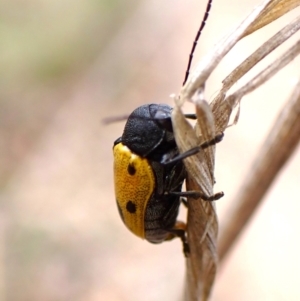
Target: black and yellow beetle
x=149, y=173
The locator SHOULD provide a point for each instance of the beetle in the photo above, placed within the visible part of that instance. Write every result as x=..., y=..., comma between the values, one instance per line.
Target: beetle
x=149, y=173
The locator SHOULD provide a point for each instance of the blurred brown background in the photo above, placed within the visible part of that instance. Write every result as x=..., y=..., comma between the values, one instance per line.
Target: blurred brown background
x=64, y=66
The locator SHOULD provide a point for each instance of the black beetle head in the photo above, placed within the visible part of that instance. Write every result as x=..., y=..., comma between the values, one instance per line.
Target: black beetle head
x=148, y=131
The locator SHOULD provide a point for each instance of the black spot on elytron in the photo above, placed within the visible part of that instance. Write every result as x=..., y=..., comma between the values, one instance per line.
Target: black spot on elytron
x=131, y=169
x=131, y=207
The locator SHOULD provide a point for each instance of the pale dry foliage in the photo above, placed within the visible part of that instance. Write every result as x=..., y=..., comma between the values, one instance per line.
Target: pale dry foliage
x=215, y=118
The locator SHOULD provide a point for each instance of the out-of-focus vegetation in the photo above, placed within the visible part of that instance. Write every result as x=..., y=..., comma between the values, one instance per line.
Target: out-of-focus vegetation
x=45, y=45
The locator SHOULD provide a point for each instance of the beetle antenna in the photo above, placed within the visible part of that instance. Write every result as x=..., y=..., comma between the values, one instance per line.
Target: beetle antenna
x=205, y=17
x=114, y=119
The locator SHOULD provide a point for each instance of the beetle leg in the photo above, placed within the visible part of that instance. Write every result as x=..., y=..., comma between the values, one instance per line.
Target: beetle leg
x=218, y=138
x=184, y=202
x=179, y=230
x=165, y=120
x=190, y=116
x=197, y=194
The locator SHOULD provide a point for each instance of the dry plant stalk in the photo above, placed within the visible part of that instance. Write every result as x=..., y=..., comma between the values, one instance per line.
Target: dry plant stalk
x=212, y=119
x=277, y=149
